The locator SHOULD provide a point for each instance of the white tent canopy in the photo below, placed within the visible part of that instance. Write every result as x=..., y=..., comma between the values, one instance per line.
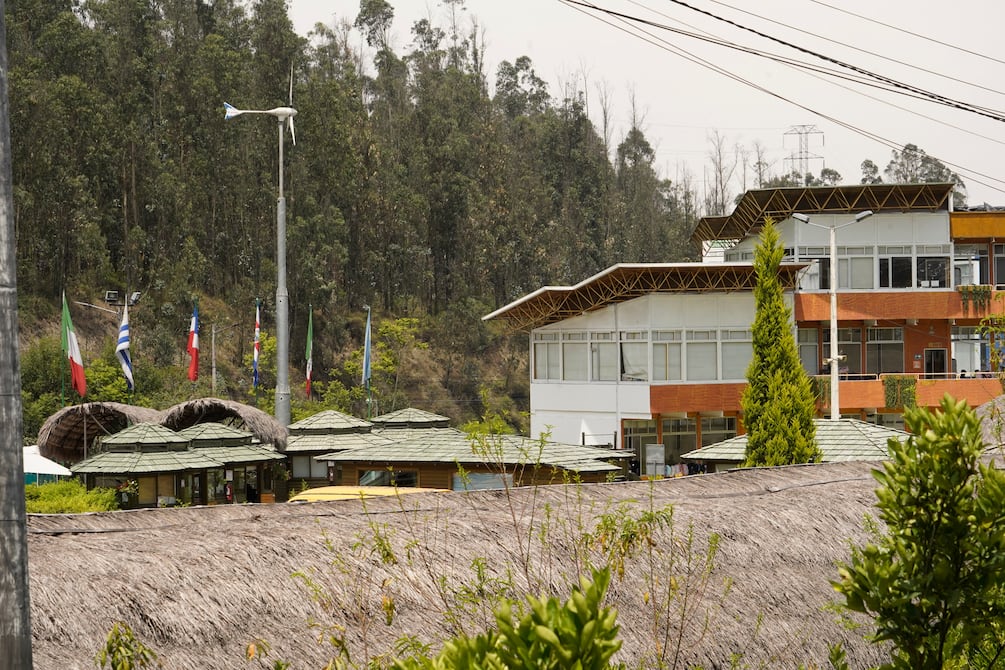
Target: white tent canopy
x=36, y=464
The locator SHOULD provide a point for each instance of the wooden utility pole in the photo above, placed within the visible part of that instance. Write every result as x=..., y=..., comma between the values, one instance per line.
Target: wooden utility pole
x=15, y=619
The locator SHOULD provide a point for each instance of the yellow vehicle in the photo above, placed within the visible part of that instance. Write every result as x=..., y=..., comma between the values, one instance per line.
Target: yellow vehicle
x=327, y=493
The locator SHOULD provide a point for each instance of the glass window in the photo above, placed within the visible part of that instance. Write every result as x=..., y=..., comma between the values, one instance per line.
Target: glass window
x=933, y=271
x=702, y=355
x=389, y=477
x=301, y=467
x=634, y=356
x=575, y=359
x=737, y=352
x=666, y=355
x=546, y=356
x=849, y=346
x=715, y=430
x=884, y=350
x=604, y=362
x=896, y=272
x=808, y=352
x=680, y=436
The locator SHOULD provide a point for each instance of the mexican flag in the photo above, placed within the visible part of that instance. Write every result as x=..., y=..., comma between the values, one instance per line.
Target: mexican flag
x=72, y=351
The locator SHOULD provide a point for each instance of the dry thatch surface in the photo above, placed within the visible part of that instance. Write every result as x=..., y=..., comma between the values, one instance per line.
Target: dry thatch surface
x=198, y=584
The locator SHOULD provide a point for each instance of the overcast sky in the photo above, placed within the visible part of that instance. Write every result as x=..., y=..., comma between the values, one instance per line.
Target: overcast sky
x=955, y=50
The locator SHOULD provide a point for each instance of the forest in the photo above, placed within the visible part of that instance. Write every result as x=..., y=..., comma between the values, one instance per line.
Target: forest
x=419, y=184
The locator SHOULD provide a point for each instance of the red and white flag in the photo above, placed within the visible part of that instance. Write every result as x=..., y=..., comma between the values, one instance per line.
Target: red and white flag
x=71, y=349
x=193, y=345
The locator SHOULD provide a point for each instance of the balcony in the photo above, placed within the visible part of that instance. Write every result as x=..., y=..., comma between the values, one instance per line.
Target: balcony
x=890, y=391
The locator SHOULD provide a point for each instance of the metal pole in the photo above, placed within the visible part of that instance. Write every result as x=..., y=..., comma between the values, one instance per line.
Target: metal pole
x=282, y=303
x=15, y=607
x=835, y=393
x=212, y=356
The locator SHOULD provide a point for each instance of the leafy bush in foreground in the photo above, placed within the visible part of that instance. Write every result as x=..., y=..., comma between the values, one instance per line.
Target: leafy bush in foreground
x=67, y=497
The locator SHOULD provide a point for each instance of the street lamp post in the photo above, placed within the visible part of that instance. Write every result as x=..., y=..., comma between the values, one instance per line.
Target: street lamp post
x=835, y=357
x=285, y=116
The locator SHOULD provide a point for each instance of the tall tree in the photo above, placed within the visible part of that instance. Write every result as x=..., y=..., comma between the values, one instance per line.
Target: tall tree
x=778, y=403
x=912, y=165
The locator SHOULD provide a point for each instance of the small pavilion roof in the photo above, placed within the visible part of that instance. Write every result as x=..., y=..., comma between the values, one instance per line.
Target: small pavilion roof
x=840, y=440
x=333, y=442
x=627, y=281
x=68, y=434
x=213, y=434
x=329, y=422
x=779, y=204
x=449, y=445
x=411, y=417
x=145, y=436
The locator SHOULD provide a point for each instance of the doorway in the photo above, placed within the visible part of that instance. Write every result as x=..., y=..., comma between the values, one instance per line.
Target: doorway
x=936, y=363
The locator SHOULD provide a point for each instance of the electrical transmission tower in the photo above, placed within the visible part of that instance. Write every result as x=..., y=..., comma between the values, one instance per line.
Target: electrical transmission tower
x=799, y=161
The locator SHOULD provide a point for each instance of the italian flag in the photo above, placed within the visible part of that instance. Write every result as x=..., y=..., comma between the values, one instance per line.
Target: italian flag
x=71, y=349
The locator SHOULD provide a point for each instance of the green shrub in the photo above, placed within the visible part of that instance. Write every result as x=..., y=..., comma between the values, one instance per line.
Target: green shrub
x=67, y=497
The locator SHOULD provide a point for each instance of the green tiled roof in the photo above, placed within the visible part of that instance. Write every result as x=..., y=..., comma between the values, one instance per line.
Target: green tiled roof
x=410, y=417
x=335, y=442
x=841, y=440
x=329, y=422
x=150, y=462
x=448, y=445
x=145, y=435
x=215, y=435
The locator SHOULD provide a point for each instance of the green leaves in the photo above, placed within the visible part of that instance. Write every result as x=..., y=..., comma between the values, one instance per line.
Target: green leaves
x=932, y=583
x=579, y=634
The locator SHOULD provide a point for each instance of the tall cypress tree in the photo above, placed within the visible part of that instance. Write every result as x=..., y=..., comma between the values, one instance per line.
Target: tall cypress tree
x=778, y=403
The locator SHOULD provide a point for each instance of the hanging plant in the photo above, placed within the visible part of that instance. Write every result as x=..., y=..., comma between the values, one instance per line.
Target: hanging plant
x=965, y=298
x=899, y=391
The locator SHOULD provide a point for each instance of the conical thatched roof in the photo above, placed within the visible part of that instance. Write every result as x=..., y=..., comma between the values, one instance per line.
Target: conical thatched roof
x=199, y=584
x=69, y=433
x=204, y=410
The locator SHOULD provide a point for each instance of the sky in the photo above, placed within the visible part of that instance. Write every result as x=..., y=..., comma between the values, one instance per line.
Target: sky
x=686, y=85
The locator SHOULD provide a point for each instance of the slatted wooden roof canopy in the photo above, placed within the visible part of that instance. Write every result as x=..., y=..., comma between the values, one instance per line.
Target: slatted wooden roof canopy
x=632, y=280
x=780, y=203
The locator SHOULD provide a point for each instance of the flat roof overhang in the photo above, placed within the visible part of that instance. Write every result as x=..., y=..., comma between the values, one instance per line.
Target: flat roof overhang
x=627, y=281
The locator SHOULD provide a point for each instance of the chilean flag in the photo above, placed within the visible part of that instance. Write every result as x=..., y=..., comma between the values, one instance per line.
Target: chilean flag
x=193, y=345
x=71, y=349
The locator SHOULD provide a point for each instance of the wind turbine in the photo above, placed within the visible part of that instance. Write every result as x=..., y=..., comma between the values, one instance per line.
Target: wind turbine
x=285, y=116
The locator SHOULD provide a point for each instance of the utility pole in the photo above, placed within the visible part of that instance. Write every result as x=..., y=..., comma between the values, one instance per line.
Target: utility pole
x=15, y=607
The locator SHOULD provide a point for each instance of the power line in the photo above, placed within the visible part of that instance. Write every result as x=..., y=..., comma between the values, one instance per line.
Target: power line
x=629, y=20
x=859, y=49
x=908, y=32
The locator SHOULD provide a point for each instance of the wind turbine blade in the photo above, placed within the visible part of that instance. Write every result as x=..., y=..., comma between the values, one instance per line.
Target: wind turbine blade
x=291, y=84
x=293, y=133
x=230, y=111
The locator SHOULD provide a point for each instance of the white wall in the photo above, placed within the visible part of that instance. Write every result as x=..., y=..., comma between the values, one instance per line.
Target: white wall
x=569, y=409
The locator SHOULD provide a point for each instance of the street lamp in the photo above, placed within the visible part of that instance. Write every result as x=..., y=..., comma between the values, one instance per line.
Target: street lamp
x=835, y=356
x=284, y=115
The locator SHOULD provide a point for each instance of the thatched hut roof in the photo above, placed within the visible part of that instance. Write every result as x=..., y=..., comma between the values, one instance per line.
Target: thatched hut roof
x=203, y=410
x=67, y=435
x=198, y=584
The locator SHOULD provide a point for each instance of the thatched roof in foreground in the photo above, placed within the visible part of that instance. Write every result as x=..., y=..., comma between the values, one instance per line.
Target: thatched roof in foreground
x=68, y=434
x=198, y=584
